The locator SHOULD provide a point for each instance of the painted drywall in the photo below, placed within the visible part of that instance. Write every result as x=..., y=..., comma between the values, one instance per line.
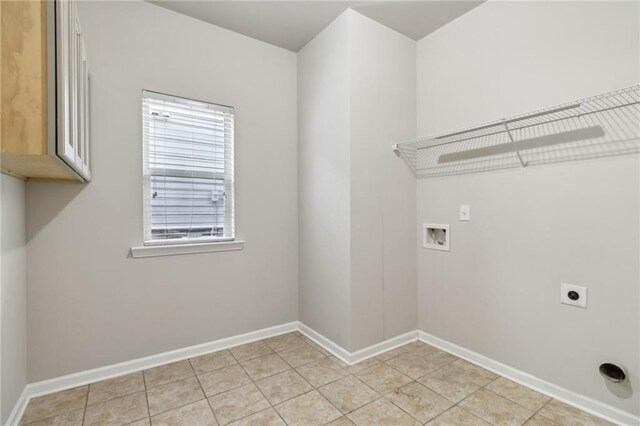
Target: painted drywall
x=383, y=203
x=324, y=182
x=13, y=294
x=498, y=291
x=356, y=94
x=90, y=304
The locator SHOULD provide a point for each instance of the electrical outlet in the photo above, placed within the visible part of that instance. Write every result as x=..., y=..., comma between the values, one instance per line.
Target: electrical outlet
x=465, y=214
x=574, y=295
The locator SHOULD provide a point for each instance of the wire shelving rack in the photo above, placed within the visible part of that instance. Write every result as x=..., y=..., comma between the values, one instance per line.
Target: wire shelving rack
x=599, y=126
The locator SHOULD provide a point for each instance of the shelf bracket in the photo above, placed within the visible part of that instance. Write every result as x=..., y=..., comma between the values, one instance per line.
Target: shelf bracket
x=506, y=126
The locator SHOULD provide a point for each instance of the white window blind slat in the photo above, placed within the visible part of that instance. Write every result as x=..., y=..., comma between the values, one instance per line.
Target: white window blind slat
x=188, y=170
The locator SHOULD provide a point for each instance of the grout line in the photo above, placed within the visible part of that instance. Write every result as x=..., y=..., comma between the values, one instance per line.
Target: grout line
x=176, y=407
x=206, y=398
x=86, y=403
x=146, y=394
x=256, y=386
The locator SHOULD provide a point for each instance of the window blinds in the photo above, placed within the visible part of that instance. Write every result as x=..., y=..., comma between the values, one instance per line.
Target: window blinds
x=188, y=170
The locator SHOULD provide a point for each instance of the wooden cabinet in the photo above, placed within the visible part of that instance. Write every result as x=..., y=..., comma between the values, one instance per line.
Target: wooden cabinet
x=44, y=86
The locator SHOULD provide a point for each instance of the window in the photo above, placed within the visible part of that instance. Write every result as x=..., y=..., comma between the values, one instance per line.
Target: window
x=188, y=170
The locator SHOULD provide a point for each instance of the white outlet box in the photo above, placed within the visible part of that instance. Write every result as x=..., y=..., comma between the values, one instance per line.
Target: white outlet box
x=574, y=295
x=435, y=236
x=465, y=214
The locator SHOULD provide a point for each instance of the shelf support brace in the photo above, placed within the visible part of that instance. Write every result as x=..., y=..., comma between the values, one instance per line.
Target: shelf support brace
x=506, y=126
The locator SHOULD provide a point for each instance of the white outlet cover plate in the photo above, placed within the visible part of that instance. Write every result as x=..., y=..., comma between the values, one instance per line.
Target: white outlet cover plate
x=465, y=214
x=564, y=295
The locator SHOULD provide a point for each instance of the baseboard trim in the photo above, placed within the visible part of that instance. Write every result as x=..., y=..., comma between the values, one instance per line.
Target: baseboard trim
x=335, y=349
x=110, y=371
x=590, y=405
x=582, y=402
x=387, y=345
x=18, y=409
x=361, y=354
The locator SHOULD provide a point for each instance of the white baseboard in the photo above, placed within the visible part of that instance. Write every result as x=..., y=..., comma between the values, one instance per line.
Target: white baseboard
x=574, y=399
x=107, y=372
x=361, y=354
x=69, y=381
x=387, y=345
x=582, y=402
x=335, y=349
x=18, y=409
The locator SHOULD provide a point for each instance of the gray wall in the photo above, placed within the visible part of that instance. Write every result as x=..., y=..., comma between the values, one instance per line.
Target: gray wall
x=13, y=294
x=383, y=202
x=356, y=95
x=497, y=291
x=323, y=182
x=89, y=303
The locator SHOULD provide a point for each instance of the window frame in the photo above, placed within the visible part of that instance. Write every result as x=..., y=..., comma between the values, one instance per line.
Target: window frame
x=227, y=178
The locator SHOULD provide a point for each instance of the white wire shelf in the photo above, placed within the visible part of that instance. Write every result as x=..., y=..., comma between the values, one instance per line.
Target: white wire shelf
x=600, y=126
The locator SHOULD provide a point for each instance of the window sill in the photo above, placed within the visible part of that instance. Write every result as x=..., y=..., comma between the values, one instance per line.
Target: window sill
x=176, y=249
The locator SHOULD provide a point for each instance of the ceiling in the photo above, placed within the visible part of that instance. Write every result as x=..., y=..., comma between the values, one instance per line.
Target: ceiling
x=292, y=24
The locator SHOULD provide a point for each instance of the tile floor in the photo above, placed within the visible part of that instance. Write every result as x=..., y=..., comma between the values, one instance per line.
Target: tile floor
x=289, y=380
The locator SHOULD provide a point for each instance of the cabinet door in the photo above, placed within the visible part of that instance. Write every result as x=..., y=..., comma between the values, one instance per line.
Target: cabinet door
x=84, y=81
x=65, y=37
x=78, y=96
x=72, y=88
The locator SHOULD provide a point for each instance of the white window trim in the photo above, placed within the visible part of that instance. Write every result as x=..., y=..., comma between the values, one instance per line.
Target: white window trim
x=189, y=248
x=219, y=243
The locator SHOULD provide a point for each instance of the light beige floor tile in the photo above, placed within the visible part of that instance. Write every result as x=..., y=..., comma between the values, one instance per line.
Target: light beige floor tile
x=267, y=417
x=420, y=402
x=353, y=369
x=251, y=350
x=214, y=361
x=450, y=382
x=51, y=405
x=319, y=348
x=168, y=373
x=456, y=416
x=538, y=420
x=563, y=414
x=173, y=395
x=381, y=412
x=301, y=355
x=435, y=358
x=283, y=386
x=415, y=346
x=382, y=378
x=321, y=372
x=116, y=387
x=238, y=403
x=284, y=342
x=477, y=375
x=223, y=379
x=348, y=393
x=309, y=409
x=119, y=411
x=342, y=421
x=266, y=366
x=195, y=414
x=411, y=365
x=495, y=409
x=425, y=349
x=142, y=422
x=517, y=393
x=338, y=362
x=391, y=354
x=72, y=418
